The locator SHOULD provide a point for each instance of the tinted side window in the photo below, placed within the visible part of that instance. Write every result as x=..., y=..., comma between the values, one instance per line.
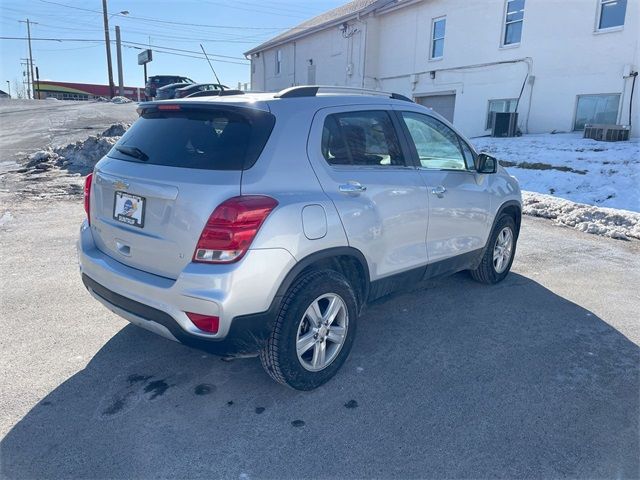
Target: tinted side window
x=211, y=139
x=437, y=145
x=366, y=138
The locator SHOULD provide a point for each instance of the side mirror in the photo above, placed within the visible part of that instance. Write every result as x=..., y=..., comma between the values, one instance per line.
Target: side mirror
x=487, y=163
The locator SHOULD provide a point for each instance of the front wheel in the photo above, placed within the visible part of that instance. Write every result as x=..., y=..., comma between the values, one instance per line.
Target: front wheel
x=314, y=331
x=498, y=257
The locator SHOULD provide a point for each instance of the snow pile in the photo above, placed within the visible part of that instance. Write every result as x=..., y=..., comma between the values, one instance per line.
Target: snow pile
x=608, y=222
x=44, y=160
x=605, y=174
x=87, y=152
x=120, y=100
x=116, y=130
x=80, y=156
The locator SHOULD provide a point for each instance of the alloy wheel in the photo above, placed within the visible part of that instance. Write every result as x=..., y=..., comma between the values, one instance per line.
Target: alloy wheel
x=322, y=332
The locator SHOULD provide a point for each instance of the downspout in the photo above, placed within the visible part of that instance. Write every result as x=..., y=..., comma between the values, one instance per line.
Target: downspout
x=633, y=86
x=294, y=64
x=364, y=54
x=264, y=72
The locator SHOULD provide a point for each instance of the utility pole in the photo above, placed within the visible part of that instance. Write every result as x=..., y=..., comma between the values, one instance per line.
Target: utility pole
x=38, y=82
x=9, y=88
x=30, y=55
x=119, y=57
x=25, y=72
x=108, y=45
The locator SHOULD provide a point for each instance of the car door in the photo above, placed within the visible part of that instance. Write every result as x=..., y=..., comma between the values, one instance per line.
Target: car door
x=459, y=201
x=358, y=157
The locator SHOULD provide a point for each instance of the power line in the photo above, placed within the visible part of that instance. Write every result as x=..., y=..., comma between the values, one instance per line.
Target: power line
x=182, y=50
x=169, y=22
x=133, y=31
x=186, y=55
x=97, y=44
x=272, y=5
x=260, y=9
x=134, y=44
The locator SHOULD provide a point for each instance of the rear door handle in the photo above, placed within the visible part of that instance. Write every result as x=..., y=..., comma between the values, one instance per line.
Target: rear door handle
x=439, y=191
x=352, y=188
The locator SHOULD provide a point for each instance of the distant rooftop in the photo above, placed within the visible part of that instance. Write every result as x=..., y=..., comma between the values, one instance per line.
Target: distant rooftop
x=343, y=12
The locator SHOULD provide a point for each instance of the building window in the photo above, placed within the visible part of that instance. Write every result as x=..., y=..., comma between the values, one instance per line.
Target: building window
x=278, y=61
x=611, y=13
x=514, y=19
x=505, y=105
x=437, y=37
x=597, y=109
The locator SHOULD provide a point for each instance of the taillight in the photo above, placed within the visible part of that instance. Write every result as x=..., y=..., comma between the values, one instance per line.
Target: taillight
x=206, y=323
x=232, y=227
x=87, y=195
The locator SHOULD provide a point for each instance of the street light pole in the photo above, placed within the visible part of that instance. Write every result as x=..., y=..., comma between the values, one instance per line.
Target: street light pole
x=108, y=45
x=119, y=57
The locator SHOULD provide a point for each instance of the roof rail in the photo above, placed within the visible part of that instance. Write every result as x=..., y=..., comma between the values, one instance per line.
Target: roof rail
x=312, y=91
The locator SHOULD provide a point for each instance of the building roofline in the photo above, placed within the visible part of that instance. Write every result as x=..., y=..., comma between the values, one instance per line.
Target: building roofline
x=292, y=35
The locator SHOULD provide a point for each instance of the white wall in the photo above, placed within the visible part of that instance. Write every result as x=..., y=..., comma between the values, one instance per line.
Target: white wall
x=562, y=49
x=337, y=61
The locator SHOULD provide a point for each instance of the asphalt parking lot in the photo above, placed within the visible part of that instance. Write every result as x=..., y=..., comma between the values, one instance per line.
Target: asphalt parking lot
x=535, y=377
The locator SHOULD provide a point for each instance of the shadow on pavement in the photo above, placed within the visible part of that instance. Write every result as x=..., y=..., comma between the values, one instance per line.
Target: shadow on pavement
x=453, y=379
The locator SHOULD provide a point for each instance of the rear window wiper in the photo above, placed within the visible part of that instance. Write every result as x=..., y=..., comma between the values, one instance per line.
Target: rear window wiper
x=134, y=152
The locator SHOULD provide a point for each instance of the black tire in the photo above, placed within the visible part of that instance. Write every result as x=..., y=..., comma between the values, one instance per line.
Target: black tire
x=486, y=271
x=279, y=356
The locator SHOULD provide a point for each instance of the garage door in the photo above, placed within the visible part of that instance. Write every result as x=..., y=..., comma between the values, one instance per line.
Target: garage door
x=443, y=104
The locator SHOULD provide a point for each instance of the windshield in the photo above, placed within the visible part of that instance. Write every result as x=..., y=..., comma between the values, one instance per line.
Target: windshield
x=211, y=139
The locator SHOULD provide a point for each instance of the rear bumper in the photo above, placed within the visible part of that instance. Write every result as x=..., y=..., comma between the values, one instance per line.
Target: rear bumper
x=242, y=295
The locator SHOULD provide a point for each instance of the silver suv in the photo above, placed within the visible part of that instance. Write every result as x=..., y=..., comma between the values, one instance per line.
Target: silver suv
x=264, y=223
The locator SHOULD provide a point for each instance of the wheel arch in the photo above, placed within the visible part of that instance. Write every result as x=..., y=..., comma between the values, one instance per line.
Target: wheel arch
x=513, y=208
x=348, y=261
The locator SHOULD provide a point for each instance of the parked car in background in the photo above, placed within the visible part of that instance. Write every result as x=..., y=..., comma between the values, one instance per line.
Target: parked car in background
x=157, y=81
x=216, y=93
x=264, y=223
x=199, y=87
x=168, y=91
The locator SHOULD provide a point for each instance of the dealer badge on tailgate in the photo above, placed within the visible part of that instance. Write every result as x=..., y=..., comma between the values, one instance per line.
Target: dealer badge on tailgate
x=129, y=209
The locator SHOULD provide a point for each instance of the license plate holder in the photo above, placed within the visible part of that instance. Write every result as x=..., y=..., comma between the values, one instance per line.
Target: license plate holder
x=129, y=209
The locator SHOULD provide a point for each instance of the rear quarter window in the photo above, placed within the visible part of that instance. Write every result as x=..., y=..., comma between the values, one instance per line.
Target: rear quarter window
x=209, y=139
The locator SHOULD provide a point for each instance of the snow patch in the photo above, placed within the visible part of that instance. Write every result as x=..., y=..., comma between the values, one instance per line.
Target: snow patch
x=608, y=222
x=605, y=174
x=120, y=100
x=5, y=218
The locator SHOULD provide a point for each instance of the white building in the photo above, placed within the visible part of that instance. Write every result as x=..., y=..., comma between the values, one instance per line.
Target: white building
x=562, y=63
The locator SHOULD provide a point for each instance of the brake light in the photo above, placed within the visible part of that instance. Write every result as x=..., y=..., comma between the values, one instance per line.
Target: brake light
x=87, y=195
x=169, y=107
x=232, y=227
x=207, y=323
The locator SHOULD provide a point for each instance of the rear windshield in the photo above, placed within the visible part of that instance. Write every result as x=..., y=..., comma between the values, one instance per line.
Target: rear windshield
x=209, y=139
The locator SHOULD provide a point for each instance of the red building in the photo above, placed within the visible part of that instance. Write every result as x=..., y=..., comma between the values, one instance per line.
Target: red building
x=83, y=91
